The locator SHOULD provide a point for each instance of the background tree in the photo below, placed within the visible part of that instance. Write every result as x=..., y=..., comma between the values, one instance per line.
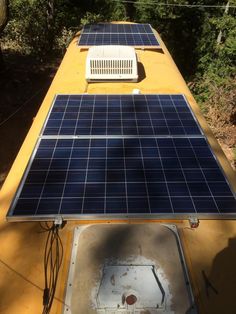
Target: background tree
x=43, y=28
x=3, y=23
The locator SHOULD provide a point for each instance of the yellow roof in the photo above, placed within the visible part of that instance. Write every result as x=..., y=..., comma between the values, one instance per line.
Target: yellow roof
x=21, y=249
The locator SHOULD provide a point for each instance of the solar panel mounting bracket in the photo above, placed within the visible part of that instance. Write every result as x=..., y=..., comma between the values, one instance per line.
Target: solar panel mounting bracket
x=194, y=222
x=59, y=222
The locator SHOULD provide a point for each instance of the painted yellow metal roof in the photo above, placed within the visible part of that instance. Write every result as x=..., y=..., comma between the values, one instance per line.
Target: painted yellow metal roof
x=21, y=244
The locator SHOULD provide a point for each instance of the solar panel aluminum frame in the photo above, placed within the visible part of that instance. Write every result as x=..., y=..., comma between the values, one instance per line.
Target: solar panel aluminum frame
x=152, y=47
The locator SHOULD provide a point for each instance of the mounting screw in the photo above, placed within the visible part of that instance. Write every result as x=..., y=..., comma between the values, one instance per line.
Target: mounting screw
x=194, y=222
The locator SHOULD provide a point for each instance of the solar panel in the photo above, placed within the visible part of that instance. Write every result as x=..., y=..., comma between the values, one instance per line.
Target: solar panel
x=118, y=34
x=124, y=177
x=121, y=115
x=117, y=28
x=118, y=39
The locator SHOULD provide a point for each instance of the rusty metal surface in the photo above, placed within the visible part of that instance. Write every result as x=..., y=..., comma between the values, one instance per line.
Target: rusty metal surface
x=104, y=253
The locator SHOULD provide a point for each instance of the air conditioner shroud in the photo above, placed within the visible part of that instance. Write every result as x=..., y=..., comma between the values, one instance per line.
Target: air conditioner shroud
x=111, y=63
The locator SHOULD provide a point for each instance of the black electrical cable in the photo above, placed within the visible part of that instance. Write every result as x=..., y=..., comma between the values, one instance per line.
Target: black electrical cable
x=53, y=255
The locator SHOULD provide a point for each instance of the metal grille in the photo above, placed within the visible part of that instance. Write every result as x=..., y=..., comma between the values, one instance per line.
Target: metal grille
x=111, y=67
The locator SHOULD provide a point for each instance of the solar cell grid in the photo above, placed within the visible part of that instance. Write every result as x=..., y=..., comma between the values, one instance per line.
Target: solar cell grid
x=151, y=159
x=118, y=39
x=118, y=34
x=124, y=176
x=117, y=28
x=121, y=115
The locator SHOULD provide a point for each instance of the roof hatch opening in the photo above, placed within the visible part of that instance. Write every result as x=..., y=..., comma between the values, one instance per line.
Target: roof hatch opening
x=130, y=288
x=111, y=63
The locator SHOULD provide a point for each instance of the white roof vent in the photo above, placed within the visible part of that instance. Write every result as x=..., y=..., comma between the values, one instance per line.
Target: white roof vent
x=111, y=63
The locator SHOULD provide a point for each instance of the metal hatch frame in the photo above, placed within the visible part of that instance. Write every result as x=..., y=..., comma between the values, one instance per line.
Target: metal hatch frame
x=71, y=272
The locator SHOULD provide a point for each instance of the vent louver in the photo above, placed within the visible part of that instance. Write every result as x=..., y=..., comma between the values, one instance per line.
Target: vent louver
x=111, y=63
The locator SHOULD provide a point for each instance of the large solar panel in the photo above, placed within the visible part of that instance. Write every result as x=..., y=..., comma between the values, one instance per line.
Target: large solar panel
x=124, y=177
x=122, y=156
x=117, y=28
x=139, y=35
x=121, y=115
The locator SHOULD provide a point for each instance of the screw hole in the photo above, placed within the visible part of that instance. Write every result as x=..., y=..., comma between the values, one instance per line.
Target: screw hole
x=131, y=299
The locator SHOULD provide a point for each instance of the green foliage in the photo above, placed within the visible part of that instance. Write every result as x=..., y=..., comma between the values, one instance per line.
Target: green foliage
x=90, y=18
x=63, y=39
x=202, y=41
x=150, y=10
x=27, y=25
x=216, y=61
x=104, y=11
x=28, y=28
x=179, y=28
x=190, y=33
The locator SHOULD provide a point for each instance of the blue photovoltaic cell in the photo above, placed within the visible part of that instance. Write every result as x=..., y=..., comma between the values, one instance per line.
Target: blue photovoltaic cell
x=121, y=115
x=123, y=176
x=117, y=28
x=118, y=34
x=118, y=39
x=155, y=161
